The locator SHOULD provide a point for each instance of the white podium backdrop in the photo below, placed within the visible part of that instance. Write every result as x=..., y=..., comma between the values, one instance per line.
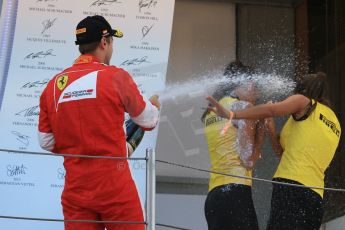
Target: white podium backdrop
x=43, y=45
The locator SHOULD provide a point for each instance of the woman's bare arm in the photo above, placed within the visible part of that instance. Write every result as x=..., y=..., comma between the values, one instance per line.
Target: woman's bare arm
x=274, y=137
x=293, y=104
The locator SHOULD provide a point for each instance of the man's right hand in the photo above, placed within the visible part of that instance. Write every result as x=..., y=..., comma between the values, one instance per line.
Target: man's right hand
x=154, y=100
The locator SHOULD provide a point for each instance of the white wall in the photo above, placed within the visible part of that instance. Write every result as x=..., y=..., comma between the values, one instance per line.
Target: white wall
x=337, y=224
x=203, y=40
x=0, y=7
x=185, y=211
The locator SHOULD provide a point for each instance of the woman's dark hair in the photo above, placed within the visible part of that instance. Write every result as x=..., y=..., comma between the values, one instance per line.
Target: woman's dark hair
x=237, y=67
x=234, y=68
x=314, y=86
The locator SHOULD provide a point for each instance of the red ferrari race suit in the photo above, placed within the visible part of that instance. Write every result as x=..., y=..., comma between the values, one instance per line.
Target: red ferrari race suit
x=82, y=112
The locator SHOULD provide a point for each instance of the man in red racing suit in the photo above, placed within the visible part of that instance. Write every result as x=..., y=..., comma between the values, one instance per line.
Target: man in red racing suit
x=82, y=112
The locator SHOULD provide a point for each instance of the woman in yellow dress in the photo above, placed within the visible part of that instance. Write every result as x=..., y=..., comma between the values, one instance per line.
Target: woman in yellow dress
x=229, y=203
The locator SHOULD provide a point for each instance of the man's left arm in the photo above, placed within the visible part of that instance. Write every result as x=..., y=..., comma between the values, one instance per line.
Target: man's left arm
x=45, y=135
x=143, y=111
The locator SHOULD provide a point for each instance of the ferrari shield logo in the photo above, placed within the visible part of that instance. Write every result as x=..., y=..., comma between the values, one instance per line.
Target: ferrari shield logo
x=62, y=82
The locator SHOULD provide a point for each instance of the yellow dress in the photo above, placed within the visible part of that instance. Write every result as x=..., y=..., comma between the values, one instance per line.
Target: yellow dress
x=224, y=150
x=309, y=147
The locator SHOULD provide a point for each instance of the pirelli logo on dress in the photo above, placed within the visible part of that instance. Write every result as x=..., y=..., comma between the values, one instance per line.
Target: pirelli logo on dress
x=330, y=124
x=76, y=94
x=212, y=120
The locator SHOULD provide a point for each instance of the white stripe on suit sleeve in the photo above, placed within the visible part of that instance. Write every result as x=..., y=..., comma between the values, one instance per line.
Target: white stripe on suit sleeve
x=149, y=116
x=46, y=141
